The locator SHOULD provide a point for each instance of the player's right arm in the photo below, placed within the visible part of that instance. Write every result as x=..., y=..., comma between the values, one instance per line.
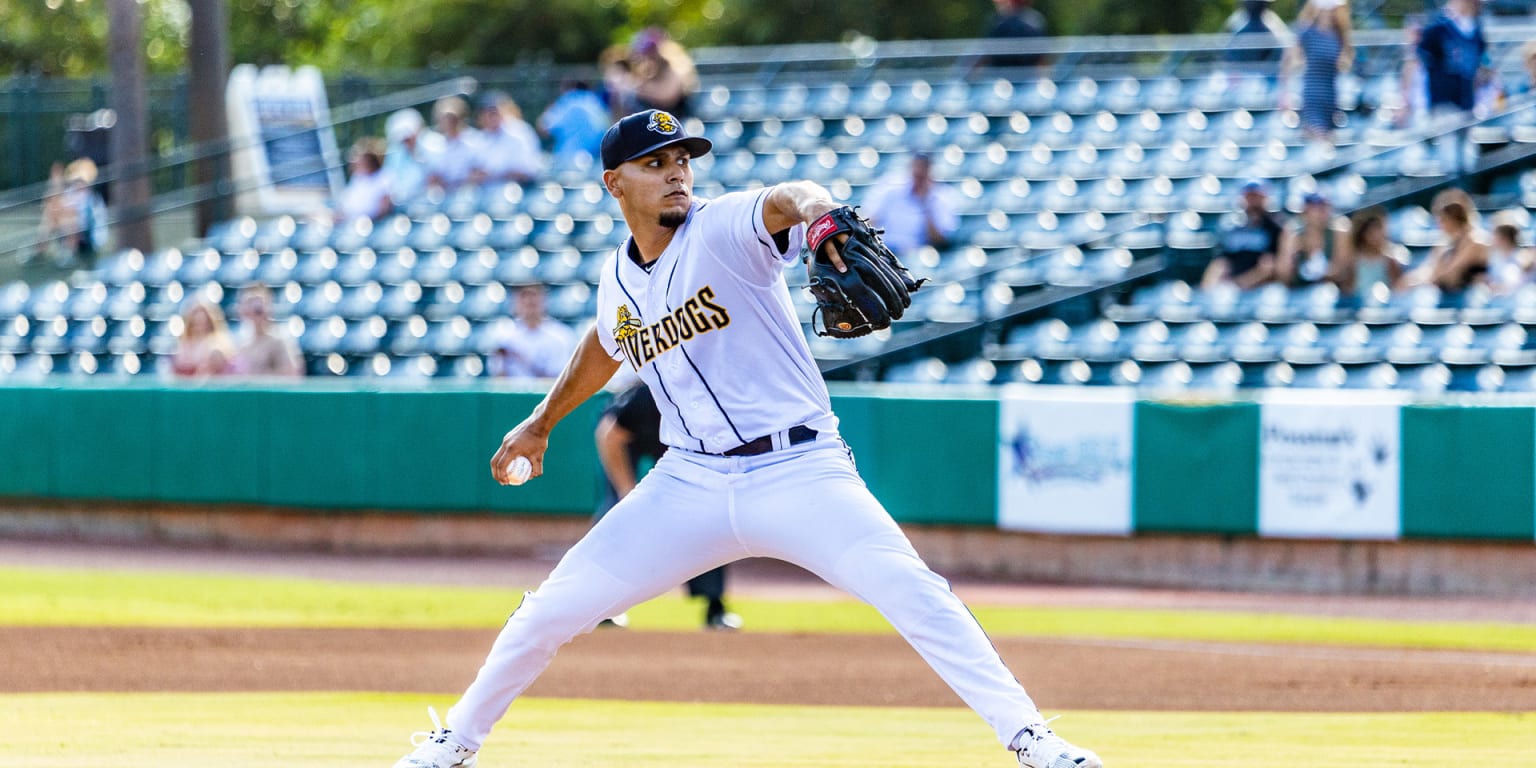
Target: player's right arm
x=589, y=368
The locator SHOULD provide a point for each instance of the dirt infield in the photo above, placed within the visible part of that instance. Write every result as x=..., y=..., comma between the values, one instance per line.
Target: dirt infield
x=762, y=667
x=767, y=668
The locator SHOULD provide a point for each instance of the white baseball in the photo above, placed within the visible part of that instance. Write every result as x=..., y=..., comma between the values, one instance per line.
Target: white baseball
x=519, y=470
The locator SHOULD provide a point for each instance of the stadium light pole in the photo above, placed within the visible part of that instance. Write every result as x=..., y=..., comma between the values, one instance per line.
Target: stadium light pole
x=208, y=65
x=130, y=136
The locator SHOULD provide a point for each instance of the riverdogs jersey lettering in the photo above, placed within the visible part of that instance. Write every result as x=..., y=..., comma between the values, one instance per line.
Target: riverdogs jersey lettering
x=641, y=343
x=714, y=336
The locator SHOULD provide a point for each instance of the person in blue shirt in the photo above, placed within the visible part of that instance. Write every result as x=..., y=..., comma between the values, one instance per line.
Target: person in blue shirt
x=575, y=123
x=1453, y=51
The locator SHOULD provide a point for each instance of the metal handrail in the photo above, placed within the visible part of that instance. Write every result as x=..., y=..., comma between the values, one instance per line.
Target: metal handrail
x=192, y=195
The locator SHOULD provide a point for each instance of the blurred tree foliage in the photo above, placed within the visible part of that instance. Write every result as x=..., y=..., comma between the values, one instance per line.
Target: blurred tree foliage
x=68, y=37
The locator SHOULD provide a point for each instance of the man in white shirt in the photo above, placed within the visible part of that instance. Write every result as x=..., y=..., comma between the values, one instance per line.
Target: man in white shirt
x=914, y=210
x=509, y=149
x=533, y=345
x=451, y=161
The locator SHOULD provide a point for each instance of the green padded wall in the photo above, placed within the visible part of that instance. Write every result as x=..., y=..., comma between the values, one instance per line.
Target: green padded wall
x=1469, y=472
x=1196, y=468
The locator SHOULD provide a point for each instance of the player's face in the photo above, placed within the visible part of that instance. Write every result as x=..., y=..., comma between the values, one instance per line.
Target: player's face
x=657, y=187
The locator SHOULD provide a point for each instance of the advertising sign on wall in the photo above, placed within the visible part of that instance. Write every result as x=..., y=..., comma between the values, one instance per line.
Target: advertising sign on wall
x=1065, y=461
x=1329, y=470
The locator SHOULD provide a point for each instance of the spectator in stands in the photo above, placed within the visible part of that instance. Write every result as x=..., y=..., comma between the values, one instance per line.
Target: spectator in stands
x=1510, y=267
x=628, y=443
x=575, y=123
x=1248, y=251
x=1315, y=242
x=1412, y=80
x=451, y=161
x=1015, y=19
x=73, y=229
x=1369, y=258
x=617, y=88
x=532, y=345
x=404, y=161
x=914, y=209
x=1323, y=50
x=265, y=348
x=661, y=74
x=509, y=147
x=1453, y=52
x=1461, y=259
x=1254, y=21
x=367, y=194
x=204, y=346
x=1528, y=60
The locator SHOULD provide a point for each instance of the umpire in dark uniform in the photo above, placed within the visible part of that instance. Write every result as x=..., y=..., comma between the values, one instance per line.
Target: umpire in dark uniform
x=629, y=444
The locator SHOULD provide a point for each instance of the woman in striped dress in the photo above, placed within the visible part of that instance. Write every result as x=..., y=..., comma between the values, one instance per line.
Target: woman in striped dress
x=1323, y=47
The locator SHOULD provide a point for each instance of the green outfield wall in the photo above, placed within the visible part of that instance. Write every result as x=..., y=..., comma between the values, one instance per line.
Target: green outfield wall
x=1095, y=461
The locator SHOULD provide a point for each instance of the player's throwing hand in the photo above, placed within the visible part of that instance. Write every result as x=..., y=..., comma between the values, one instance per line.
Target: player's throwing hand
x=525, y=440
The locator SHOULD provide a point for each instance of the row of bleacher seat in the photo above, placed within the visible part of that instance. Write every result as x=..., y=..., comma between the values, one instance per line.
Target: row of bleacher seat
x=1122, y=95
x=1423, y=378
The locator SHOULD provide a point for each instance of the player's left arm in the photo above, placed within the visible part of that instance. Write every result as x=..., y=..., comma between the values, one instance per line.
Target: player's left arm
x=799, y=202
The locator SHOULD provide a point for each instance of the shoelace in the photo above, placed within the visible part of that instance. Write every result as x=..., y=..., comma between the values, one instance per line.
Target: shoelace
x=434, y=741
x=1040, y=737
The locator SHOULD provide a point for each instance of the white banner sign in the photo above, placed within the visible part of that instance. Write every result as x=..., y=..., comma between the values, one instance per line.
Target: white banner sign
x=1329, y=470
x=1064, y=463
x=285, y=158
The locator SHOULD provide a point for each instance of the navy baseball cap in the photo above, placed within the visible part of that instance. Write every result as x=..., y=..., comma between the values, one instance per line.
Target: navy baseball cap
x=645, y=132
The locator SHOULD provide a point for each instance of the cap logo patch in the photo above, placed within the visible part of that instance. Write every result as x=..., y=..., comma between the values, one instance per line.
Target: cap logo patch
x=663, y=123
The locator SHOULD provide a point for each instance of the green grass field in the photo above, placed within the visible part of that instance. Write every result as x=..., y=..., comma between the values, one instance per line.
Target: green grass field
x=347, y=730
x=342, y=730
x=36, y=597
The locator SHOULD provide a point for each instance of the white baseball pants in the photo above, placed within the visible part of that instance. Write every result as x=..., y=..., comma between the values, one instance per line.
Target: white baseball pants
x=804, y=504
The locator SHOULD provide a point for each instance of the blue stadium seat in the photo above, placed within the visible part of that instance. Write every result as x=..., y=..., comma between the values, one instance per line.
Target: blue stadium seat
x=360, y=302
x=973, y=372
x=323, y=336
x=928, y=370
x=1059, y=131
x=125, y=301
x=1176, y=161
x=234, y=235
x=1425, y=378
x=1038, y=163
x=275, y=269
x=502, y=202
x=390, y=234
x=1079, y=97
x=312, y=268
x=320, y=302
x=431, y=234
x=485, y=302
x=1122, y=95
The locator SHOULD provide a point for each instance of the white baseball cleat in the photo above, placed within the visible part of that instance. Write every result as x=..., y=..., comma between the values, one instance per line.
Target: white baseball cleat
x=1040, y=747
x=437, y=749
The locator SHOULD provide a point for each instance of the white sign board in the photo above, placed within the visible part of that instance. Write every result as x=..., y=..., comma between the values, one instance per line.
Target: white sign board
x=1329, y=470
x=285, y=158
x=1064, y=461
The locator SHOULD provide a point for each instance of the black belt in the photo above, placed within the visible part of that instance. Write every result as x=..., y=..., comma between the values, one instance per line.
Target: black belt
x=797, y=435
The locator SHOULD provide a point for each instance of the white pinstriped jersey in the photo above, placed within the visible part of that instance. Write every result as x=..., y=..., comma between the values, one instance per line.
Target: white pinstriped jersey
x=711, y=329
